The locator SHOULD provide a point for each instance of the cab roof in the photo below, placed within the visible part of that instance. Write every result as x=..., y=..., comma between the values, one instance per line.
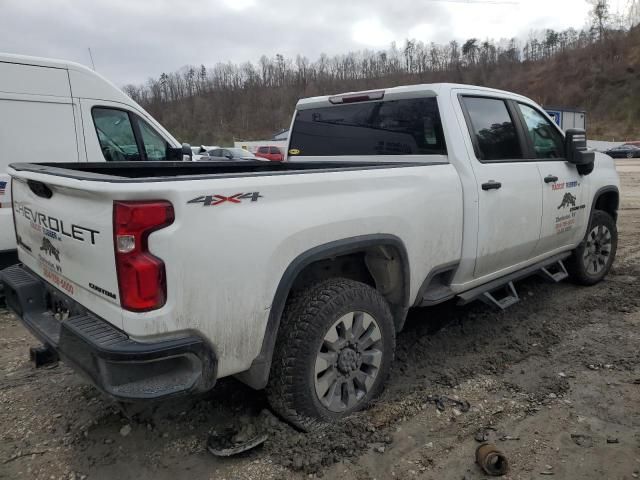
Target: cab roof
x=405, y=91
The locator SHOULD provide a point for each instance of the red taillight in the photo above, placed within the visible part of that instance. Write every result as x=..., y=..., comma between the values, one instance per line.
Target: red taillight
x=141, y=276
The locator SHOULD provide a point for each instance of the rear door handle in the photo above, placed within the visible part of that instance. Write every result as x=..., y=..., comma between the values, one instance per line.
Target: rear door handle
x=550, y=179
x=491, y=185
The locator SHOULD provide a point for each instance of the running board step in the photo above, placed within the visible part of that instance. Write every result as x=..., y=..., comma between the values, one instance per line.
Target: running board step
x=510, y=296
x=551, y=268
x=555, y=272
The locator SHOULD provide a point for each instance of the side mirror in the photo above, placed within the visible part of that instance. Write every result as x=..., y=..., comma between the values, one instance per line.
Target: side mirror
x=187, y=153
x=180, y=154
x=575, y=144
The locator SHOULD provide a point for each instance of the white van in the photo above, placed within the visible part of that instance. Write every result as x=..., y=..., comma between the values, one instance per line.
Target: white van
x=58, y=111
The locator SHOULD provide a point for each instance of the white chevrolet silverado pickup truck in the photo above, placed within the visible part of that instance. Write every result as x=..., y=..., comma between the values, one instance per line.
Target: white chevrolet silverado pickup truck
x=158, y=279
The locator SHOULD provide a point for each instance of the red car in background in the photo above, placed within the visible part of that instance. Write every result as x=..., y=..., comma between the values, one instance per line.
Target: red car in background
x=270, y=153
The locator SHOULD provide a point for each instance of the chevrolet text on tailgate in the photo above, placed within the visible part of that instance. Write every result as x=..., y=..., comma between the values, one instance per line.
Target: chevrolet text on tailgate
x=157, y=278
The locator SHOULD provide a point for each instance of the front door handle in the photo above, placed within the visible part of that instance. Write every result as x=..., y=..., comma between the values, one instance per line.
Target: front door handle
x=550, y=179
x=491, y=185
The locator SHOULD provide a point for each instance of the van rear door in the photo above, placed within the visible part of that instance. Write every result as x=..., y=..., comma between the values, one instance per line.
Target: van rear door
x=37, y=124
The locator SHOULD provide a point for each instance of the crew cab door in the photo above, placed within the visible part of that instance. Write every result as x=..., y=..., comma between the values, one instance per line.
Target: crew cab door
x=509, y=186
x=564, y=193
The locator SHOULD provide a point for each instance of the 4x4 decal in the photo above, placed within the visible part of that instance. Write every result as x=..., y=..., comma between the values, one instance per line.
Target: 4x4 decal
x=213, y=200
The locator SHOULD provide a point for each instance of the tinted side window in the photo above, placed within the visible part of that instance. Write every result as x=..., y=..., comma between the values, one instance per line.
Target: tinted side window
x=275, y=150
x=493, y=129
x=396, y=127
x=115, y=134
x=263, y=150
x=547, y=141
x=154, y=144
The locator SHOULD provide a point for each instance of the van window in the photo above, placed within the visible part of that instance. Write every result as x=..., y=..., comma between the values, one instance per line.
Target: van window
x=547, y=141
x=492, y=129
x=116, y=136
x=155, y=146
x=395, y=127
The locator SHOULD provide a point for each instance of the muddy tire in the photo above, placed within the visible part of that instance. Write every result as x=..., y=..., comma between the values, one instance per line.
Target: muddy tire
x=593, y=258
x=333, y=354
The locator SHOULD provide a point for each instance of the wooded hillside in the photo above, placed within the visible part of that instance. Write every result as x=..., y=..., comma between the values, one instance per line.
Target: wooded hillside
x=598, y=70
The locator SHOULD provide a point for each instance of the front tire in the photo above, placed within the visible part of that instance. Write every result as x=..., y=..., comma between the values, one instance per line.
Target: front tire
x=593, y=258
x=333, y=353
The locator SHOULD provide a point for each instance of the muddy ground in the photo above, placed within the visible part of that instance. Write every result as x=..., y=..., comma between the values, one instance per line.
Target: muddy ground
x=554, y=381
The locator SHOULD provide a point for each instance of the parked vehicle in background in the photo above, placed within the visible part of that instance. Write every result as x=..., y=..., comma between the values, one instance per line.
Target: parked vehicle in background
x=297, y=276
x=65, y=112
x=240, y=154
x=624, y=151
x=201, y=153
x=568, y=118
x=273, y=154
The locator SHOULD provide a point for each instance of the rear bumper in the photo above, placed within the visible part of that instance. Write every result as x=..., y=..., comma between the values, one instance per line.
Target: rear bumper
x=123, y=368
x=7, y=258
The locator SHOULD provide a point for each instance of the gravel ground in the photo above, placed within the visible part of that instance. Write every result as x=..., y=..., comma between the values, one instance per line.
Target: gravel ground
x=554, y=381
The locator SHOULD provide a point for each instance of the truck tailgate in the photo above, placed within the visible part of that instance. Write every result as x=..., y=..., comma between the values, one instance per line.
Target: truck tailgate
x=66, y=236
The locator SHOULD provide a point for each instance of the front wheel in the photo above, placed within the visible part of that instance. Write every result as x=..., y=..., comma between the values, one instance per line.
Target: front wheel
x=333, y=354
x=593, y=258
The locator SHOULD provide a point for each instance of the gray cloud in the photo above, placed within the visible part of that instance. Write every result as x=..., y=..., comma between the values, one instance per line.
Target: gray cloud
x=132, y=40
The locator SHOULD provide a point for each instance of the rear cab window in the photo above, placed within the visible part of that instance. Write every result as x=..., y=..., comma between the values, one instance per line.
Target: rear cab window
x=492, y=129
x=382, y=128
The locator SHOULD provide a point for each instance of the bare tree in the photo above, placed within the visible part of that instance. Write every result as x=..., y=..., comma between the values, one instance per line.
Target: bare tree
x=600, y=16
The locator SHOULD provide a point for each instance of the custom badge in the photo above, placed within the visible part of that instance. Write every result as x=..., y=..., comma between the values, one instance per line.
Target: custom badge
x=48, y=248
x=568, y=200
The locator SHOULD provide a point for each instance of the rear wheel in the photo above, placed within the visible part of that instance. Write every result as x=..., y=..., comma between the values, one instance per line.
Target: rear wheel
x=593, y=258
x=333, y=353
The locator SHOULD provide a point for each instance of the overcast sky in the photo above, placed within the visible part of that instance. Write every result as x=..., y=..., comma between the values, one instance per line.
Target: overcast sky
x=132, y=40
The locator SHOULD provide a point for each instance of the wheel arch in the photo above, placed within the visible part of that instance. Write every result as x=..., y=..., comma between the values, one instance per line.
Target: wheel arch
x=606, y=199
x=257, y=375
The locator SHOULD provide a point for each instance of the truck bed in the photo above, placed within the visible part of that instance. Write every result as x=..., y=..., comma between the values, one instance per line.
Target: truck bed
x=124, y=172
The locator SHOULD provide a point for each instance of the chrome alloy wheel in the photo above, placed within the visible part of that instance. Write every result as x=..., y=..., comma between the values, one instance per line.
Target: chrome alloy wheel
x=348, y=361
x=597, y=250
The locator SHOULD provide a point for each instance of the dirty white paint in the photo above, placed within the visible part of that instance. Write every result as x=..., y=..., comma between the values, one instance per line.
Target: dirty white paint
x=224, y=262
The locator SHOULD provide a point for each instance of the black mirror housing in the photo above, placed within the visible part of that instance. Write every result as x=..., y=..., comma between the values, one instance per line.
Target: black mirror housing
x=187, y=153
x=180, y=154
x=575, y=144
